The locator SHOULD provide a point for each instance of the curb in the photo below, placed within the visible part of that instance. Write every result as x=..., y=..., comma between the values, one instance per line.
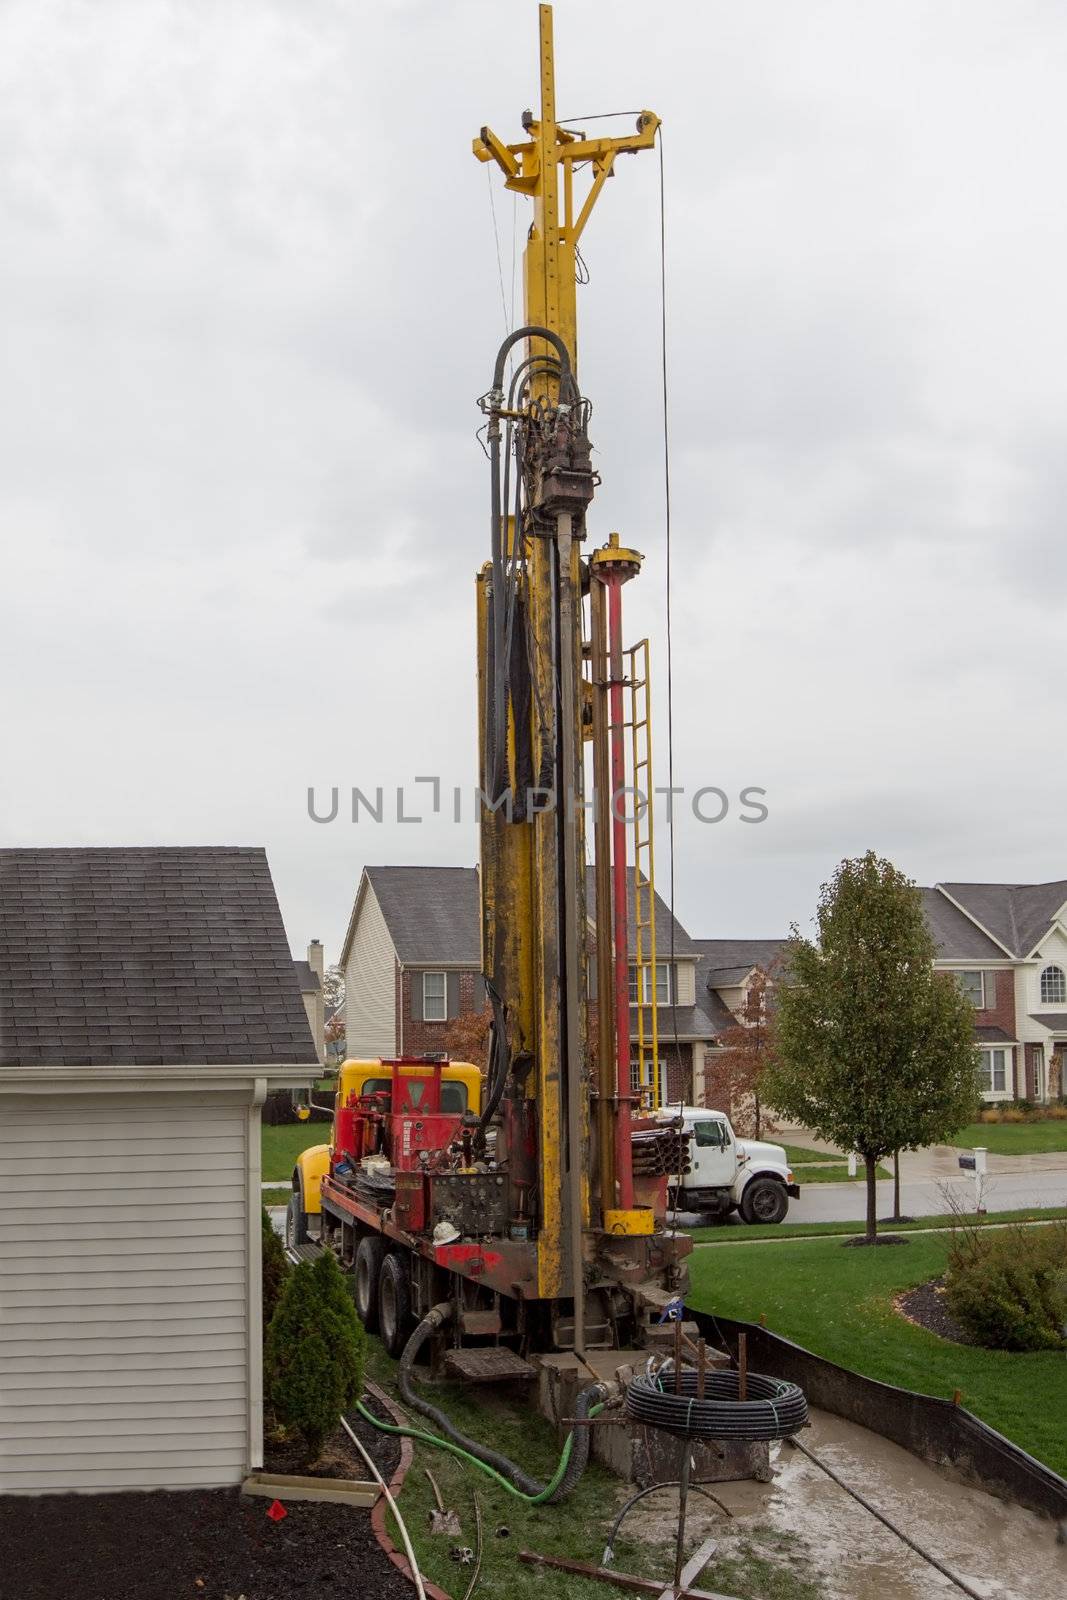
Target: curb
x=380, y=1509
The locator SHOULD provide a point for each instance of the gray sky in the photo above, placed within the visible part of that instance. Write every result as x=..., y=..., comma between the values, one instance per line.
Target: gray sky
x=250, y=292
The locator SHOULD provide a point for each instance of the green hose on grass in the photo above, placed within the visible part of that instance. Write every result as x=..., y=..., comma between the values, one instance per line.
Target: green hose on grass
x=464, y=1455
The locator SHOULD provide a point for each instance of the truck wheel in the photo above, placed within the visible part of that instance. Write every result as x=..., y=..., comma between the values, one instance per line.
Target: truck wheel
x=296, y=1222
x=394, y=1304
x=764, y=1200
x=367, y=1272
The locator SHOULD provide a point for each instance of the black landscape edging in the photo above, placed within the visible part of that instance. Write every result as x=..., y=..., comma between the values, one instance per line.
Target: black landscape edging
x=936, y=1430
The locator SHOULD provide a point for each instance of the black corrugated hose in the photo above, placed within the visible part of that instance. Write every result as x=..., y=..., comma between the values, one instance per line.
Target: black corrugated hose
x=435, y=1318
x=774, y=1409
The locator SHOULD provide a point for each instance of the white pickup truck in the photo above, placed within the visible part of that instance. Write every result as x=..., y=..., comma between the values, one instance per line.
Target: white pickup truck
x=730, y=1174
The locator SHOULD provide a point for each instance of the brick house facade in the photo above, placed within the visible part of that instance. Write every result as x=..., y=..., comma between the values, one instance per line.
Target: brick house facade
x=1007, y=945
x=422, y=1035
x=413, y=984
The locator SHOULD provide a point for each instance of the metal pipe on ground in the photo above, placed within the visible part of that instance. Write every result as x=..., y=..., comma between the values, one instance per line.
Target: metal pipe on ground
x=937, y=1565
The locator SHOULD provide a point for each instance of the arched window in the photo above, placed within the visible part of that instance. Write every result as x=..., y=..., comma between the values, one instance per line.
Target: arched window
x=1053, y=987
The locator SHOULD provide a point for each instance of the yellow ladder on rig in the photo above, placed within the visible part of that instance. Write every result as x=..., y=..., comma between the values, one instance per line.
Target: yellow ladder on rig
x=640, y=725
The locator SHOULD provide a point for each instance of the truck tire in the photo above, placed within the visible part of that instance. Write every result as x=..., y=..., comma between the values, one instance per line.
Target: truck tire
x=366, y=1273
x=394, y=1304
x=296, y=1222
x=764, y=1200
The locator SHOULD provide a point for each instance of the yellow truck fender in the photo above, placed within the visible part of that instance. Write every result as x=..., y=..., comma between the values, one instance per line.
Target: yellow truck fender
x=311, y=1167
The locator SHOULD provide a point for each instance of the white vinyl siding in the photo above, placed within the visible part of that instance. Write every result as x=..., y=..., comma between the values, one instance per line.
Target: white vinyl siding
x=685, y=979
x=370, y=985
x=124, y=1292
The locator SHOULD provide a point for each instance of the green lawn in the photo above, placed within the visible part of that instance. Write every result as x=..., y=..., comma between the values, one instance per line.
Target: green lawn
x=822, y=1166
x=736, y=1233
x=835, y=1174
x=282, y=1145
x=838, y=1302
x=1013, y=1138
x=800, y=1155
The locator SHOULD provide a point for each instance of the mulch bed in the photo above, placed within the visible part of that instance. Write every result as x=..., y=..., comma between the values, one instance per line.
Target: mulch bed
x=197, y=1544
x=206, y=1544
x=340, y=1458
x=926, y=1307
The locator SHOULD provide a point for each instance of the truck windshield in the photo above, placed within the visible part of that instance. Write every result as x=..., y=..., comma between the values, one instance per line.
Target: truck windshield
x=711, y=1133
x=453, y=1094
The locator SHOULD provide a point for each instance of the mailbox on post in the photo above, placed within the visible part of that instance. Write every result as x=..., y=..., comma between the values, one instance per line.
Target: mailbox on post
x=976, y=1163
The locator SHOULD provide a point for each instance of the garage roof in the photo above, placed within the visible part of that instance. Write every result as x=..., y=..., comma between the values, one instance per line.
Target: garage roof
x=146, y=957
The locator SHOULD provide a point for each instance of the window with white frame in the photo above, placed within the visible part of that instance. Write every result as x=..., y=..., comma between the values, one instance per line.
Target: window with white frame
x=994, y=1077
x=434, y=997
x=641, y=1081
x=1053, y=987
x=979, y=987
x=663, y=983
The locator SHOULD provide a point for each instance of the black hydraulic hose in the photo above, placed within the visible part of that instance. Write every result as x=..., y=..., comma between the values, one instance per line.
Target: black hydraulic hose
x=495, y=753
x=548, y=363
x=436, y=1318
x=500, y=1065
x=534, y=332
x=496, y=767
x=774, y=1409
x=653, y=1488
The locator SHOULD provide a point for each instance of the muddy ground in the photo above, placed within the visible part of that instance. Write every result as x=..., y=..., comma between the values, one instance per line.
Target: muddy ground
x=803, y=1521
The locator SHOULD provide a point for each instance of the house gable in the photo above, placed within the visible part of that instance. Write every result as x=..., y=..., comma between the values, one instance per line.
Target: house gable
x=370, y=966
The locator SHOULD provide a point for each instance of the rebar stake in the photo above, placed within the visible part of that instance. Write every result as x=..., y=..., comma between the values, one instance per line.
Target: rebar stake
x=683, y=1501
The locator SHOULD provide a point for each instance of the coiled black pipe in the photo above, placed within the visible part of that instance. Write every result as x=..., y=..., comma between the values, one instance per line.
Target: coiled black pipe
x=774, y=1409
x=435, y=1318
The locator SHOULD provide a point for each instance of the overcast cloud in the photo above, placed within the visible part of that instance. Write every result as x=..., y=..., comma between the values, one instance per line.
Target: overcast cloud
x=250, y=292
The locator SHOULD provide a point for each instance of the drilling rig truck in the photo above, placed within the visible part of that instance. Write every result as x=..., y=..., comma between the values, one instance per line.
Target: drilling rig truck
x=529, y=1197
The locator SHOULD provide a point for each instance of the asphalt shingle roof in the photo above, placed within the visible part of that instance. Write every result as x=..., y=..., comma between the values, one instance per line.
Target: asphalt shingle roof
x=146, y=957
x=1016, y=914
x=956, y=936
x=307, y=977
x=1056, y=1020
x=727, y=962
x=434, y=914
x=683, y=944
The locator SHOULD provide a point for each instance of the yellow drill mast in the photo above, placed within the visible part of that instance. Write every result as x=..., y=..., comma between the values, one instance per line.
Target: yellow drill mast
x=533, y=710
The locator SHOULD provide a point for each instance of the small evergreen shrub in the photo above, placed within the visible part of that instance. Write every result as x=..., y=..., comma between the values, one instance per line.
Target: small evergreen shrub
x=275, y=1272
x=315, y=1352
x=1008, y=1288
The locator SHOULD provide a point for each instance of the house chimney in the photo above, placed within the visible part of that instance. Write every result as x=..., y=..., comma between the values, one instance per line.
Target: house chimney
x=315, y=958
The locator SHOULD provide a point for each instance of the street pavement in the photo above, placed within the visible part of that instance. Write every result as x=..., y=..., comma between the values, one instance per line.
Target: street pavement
x=928, y=1197
x=927, y=1179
